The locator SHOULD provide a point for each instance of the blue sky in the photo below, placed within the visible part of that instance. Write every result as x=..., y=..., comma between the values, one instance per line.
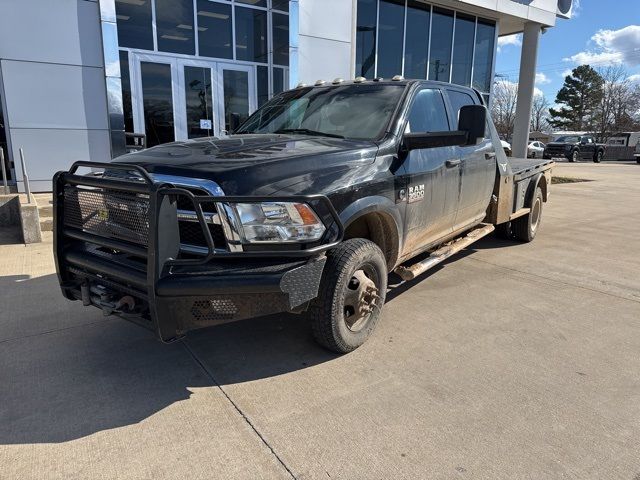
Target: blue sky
x=603, y=32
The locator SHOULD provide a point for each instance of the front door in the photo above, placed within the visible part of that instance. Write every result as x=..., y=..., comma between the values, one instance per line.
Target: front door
x=180, y=99
x=431, y=176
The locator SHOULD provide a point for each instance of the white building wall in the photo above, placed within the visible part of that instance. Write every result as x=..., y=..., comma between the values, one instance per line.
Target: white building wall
x=52, y=70
x=325, y=40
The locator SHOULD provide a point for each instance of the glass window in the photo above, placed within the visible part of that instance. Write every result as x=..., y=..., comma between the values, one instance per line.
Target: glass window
x=263, y=85
x=463, y=50
x=483, y=59
x=251, y=35
x=134, y=24
x=391, y=25
x=174, y=25
x=278, y=80
x=3, y=142
x=366, y=38
x=280, y=35
x=417, y=40
x=214, y=29
x=441, y=38
x=158, y=102
x=236, y=98
x=197, y=85
x=126, y=92
x=257, y=3
x=350, y=111
x=428, y=113
x=280, y=5
x=459, y=100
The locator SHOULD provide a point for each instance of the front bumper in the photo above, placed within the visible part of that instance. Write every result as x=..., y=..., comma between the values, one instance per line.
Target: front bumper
x=142, y=275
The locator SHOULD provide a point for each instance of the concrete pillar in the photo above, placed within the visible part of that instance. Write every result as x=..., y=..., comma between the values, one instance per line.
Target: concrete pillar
x=526, y=85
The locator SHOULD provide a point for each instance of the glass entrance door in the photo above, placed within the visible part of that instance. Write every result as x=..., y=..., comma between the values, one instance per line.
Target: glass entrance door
x=178, y=98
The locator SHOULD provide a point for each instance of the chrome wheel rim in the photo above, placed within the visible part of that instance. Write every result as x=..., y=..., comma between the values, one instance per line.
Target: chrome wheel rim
x=361, y=297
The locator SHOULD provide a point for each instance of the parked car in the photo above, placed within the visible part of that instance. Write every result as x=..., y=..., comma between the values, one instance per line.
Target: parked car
x=636, y=153
x=506, y=146
x=535, y=149
x=575, y=148
x=304, y=209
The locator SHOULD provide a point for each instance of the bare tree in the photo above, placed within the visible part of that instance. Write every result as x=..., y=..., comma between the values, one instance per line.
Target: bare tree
x=619, y=105
x=503, y=107
x=540, y=113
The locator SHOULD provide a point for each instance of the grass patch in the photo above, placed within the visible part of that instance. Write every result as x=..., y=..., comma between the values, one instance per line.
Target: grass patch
x=555, y=180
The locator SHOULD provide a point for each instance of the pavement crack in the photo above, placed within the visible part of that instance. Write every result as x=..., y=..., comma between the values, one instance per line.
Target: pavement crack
x=548, y=280
x=55, y=330
x=237, y=408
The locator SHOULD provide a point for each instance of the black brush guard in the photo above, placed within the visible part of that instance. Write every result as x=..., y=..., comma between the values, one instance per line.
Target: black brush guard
x=132, y=265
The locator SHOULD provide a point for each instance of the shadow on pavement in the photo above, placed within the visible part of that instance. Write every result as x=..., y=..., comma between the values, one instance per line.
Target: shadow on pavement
x=91, y=373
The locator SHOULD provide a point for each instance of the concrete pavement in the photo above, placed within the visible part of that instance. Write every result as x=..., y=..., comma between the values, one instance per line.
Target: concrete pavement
x=512, y=361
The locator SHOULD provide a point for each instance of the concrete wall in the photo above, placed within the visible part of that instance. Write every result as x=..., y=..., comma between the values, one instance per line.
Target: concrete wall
x=52, y=69
x=325, y=40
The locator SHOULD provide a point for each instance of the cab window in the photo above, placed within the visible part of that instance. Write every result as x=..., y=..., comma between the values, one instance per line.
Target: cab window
x=427, y=112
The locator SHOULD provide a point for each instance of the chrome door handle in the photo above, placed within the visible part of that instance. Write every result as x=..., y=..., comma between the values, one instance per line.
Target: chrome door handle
x=453, y=163
x=489, y=156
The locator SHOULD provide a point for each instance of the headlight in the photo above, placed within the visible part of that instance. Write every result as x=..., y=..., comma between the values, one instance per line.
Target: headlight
x=278, y=222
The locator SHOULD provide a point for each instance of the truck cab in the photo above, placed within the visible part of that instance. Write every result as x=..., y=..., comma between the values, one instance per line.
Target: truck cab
x=305, y=208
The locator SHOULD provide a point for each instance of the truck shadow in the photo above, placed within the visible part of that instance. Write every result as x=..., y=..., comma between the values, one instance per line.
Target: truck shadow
x=68, y=372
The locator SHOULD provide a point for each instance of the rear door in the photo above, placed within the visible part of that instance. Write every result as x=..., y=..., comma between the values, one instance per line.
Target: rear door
x=430, y=177
x=477, y=167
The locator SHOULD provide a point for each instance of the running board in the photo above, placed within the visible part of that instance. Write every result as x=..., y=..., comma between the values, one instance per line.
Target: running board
x=444, y=252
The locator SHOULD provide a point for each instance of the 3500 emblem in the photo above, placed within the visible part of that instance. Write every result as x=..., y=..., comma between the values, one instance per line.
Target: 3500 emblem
x=416, y=193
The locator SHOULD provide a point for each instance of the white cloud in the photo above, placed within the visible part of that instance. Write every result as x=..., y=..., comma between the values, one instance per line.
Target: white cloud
x=612, y=47
x=542, y=79
x=634, y=78
x=515, y=39
x=566, y=73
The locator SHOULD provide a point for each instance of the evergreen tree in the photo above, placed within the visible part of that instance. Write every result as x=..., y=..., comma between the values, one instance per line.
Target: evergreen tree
x=579, y=98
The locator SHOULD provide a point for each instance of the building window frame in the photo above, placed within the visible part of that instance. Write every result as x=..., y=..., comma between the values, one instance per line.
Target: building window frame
x=477, y=18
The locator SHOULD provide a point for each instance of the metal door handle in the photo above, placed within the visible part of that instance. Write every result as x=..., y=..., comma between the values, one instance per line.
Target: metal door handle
x=452, y=163
x=489, y=156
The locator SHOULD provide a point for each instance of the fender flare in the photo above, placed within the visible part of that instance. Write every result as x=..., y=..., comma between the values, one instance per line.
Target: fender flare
x=533, y=186
x=376, y=204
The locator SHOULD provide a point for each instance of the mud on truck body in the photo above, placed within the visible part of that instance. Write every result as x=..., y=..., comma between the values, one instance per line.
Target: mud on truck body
x=304, y=209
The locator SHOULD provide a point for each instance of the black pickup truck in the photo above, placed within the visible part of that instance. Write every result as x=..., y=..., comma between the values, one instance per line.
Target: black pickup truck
x=575, y=148
x=306, y=208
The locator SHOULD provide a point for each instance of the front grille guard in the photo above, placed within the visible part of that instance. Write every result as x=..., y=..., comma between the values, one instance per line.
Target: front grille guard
x=163, y=245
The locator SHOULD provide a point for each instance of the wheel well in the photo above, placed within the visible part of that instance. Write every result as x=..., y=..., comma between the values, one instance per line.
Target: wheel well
x=542, y=183
x=381, y=230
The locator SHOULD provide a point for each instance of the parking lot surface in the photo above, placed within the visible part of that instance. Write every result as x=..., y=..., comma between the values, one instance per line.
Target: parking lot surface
x=511, y=361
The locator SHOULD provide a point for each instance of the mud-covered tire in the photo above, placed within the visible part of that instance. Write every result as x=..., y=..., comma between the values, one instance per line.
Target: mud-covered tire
x=526, y=227
x=329, y=313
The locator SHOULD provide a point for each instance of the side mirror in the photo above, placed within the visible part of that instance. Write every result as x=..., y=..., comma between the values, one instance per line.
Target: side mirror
x=420, y=140
x=472, y=120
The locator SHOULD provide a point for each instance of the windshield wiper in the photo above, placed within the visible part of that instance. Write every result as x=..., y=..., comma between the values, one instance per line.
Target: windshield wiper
x=306, y=131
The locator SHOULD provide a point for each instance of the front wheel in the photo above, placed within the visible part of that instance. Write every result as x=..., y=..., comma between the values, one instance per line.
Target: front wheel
x=352, y=292
x=575, y=156
x=533, y=154
x=526, y=227
x=598, y=157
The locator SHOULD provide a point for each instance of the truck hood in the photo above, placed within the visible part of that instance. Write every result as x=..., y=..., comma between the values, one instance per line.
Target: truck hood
x=559, y=144
x=257, y=164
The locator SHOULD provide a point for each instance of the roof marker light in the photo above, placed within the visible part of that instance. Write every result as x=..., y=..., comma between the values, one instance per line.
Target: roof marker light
x=301, y=84
x=397, y=78
x=360, y=80
x=320, y=82
x=337, y=81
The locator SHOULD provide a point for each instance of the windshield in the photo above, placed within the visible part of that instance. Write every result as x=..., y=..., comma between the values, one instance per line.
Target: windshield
x=349, y=111
x=568, y=139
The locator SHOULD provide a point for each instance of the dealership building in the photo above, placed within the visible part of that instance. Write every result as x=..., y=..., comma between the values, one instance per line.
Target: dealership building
x=82, y=79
